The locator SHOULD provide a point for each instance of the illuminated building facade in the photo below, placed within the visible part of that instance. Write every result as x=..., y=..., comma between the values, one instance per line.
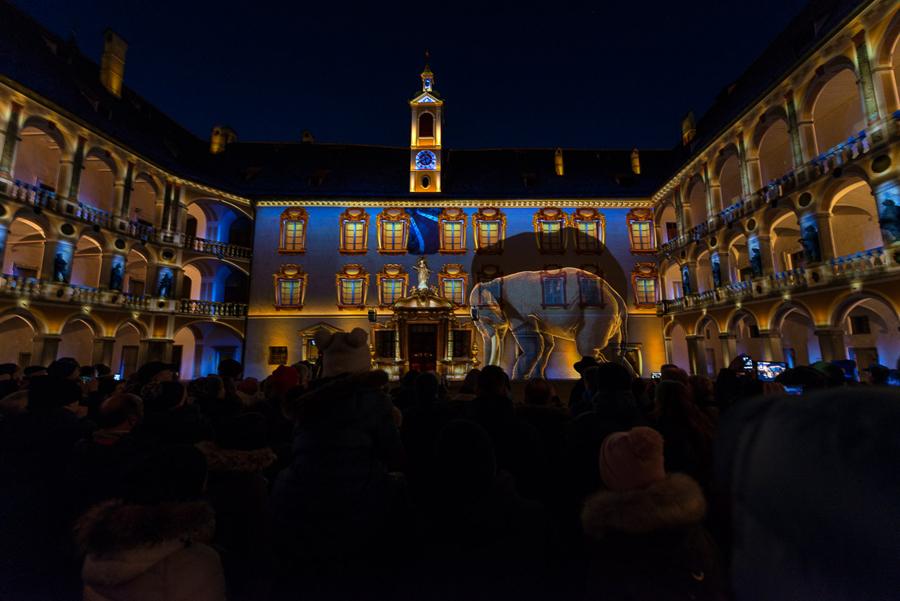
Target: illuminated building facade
x=770, y=230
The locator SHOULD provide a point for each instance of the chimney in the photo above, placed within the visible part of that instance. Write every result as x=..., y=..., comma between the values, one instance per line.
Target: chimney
x=220, y=138
x=558, y=162
x=307, y=137
x=688, y=128
x=112, y=63
x=635, y=161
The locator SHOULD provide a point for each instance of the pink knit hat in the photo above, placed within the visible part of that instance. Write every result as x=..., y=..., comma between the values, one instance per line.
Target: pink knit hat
x=632, y=459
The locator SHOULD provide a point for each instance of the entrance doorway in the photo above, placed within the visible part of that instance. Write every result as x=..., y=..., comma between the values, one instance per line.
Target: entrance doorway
x=423, y=347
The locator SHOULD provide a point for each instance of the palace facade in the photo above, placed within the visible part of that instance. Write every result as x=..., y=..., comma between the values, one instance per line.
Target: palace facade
x=771, y=229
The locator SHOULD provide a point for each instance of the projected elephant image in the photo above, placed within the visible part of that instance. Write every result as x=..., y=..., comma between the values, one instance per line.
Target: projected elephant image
x=537, y=307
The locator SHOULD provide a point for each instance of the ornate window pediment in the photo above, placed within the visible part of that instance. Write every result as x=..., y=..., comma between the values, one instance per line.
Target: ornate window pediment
x=354, y=231
x=644, y=278
x=590, y=230
x=453, y=283
x=290, y=287
x=393, y=231
x=393, y=282
x=452, y=227
x=490, y=230
x=352, y=284
x=293, y=229
x=641, y=231
x=550, y=229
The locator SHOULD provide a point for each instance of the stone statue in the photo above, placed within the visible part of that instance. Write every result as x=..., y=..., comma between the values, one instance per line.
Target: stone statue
x=60, y=268
x=423, y=273
x=115, y=276
x=165, y=285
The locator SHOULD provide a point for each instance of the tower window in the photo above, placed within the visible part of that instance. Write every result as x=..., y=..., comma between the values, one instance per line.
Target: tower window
x=426, y=181
x=426, y=125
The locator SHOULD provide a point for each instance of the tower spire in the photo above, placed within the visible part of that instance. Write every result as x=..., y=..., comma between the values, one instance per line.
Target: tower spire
x=427, y=75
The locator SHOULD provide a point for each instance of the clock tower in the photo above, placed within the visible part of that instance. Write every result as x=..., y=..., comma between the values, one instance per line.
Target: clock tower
x=425, y=137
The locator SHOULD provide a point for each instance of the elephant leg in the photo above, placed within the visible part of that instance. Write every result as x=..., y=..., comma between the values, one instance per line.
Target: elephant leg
x=588, y=340
x=547, y=344
x=530, y=343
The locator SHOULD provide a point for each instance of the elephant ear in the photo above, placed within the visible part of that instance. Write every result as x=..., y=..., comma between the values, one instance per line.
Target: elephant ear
x=357, y=337
x=323, y=338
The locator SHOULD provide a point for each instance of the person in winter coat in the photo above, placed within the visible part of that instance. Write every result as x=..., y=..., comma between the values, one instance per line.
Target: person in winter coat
x=168, y=416
x=644, y=532
x=688, y=431
x=153, y=543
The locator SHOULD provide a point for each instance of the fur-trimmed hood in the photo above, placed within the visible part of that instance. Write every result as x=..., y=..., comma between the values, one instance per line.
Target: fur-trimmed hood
x=123, y=541
x=233, y=460
x=674, y=502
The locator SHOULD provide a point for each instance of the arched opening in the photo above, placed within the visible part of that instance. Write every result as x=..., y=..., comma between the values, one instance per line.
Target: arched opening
x=97, y=185
x=668, y=223
x=215, y=280
x=775, y=155
x=870, y=332
x=704, y=273
x=676, y=347
x=895, y=63
x=191, y=283
x=135, y=282
x=86, y=263
x=787, y=249
x=37, y=156
x=142, y=205
x=697, y=202
x=855, y=223
x=240, y=232
x=798, y=337
x=837, y=111
x=672, y=286
x=18, y=339
x=24, y=249
x=203, y=345
x=219, y=222
x=710, y=347
x=739, y=260
x=730, y=180
x=746, y=329
x=426, y=125
x=77, y=341
x=126, y=349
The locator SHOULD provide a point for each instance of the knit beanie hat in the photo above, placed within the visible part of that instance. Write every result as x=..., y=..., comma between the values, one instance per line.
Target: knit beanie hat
x=632, y=459
x=283, y=379
x=344, y=352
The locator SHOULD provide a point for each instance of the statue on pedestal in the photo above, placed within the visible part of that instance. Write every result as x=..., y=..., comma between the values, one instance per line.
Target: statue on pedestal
x=423, y=273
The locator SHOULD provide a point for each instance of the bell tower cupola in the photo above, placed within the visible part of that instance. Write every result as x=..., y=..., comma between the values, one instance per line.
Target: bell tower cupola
x=425, y=136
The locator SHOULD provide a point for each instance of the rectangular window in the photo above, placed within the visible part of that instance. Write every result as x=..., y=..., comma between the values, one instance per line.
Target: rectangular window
x=293, y=235
x=385, y=343
x=488, y=234
x=462, y=344
x=642, y=235
x=453, y=235
x=354, y=236
x=278, y=355
x=590, y=291
x=391, y=290
x=290, y=292
x=554, y=290
x=588, y=233
x=392, y=235
x=551, y=236
x=645, y=291
x=859, y=324
x=454, y=290
x=351, y=292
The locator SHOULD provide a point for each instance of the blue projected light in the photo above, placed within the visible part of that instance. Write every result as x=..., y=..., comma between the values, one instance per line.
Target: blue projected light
x=425, y=159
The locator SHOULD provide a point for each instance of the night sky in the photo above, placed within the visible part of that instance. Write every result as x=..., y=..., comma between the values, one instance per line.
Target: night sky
x=609, y=75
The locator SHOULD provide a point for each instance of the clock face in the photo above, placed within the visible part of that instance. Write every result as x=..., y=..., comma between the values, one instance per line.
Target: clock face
x=425, y=159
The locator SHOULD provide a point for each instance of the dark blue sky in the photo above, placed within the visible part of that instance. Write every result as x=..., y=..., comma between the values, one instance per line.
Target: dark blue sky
x=607, y=75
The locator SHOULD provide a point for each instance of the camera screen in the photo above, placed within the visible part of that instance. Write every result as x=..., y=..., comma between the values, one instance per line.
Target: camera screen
x=769, y=370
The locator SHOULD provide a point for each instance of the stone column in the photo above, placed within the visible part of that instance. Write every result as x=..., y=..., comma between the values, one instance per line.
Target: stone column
x=886, y=89
x=715, y=193
x=866, y=83
x=667, y=342
x=10, y=141
x=126, y=191
x=826, y=236
x=77, y=168
x=807, y=133
x=746, y=188
x=765, y=253
x=729, y=348
x=163, y=210
x=103, y=351
x=696, y=358
x=794, y=130
x=754, y=174
x=118, y=197
x=679, y=211
x=725, y=267
x=831, y=343
x=45, y=349
x=711, y=207
x=772, y=348
x=52, y=248
x=689, y=286
x=109, y=261
x=64, y=175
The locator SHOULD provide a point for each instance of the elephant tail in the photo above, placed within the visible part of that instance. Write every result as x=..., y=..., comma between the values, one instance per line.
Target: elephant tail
x=621, y=320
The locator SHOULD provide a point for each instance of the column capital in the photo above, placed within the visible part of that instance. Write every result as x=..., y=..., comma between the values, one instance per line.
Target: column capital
x=727, y=336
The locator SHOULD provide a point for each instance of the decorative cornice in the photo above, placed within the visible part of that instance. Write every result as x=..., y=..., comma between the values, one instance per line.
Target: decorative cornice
x=538, y=203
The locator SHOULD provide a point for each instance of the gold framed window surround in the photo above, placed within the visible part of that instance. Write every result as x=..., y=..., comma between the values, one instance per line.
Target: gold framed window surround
x=644, y=281
x=489, y=225
x=393, y=282
x=453, y=282
x=550, y=230
x=352, y=287
x=452, y=228
x=641, y=231
x=292, y=230
x=393, y=231
x=590, y=231
x=290, y=287
x=354, y=231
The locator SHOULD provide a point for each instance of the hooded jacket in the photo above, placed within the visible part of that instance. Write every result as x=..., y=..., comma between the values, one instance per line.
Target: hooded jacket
x=149, y=553
x=649, y=543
